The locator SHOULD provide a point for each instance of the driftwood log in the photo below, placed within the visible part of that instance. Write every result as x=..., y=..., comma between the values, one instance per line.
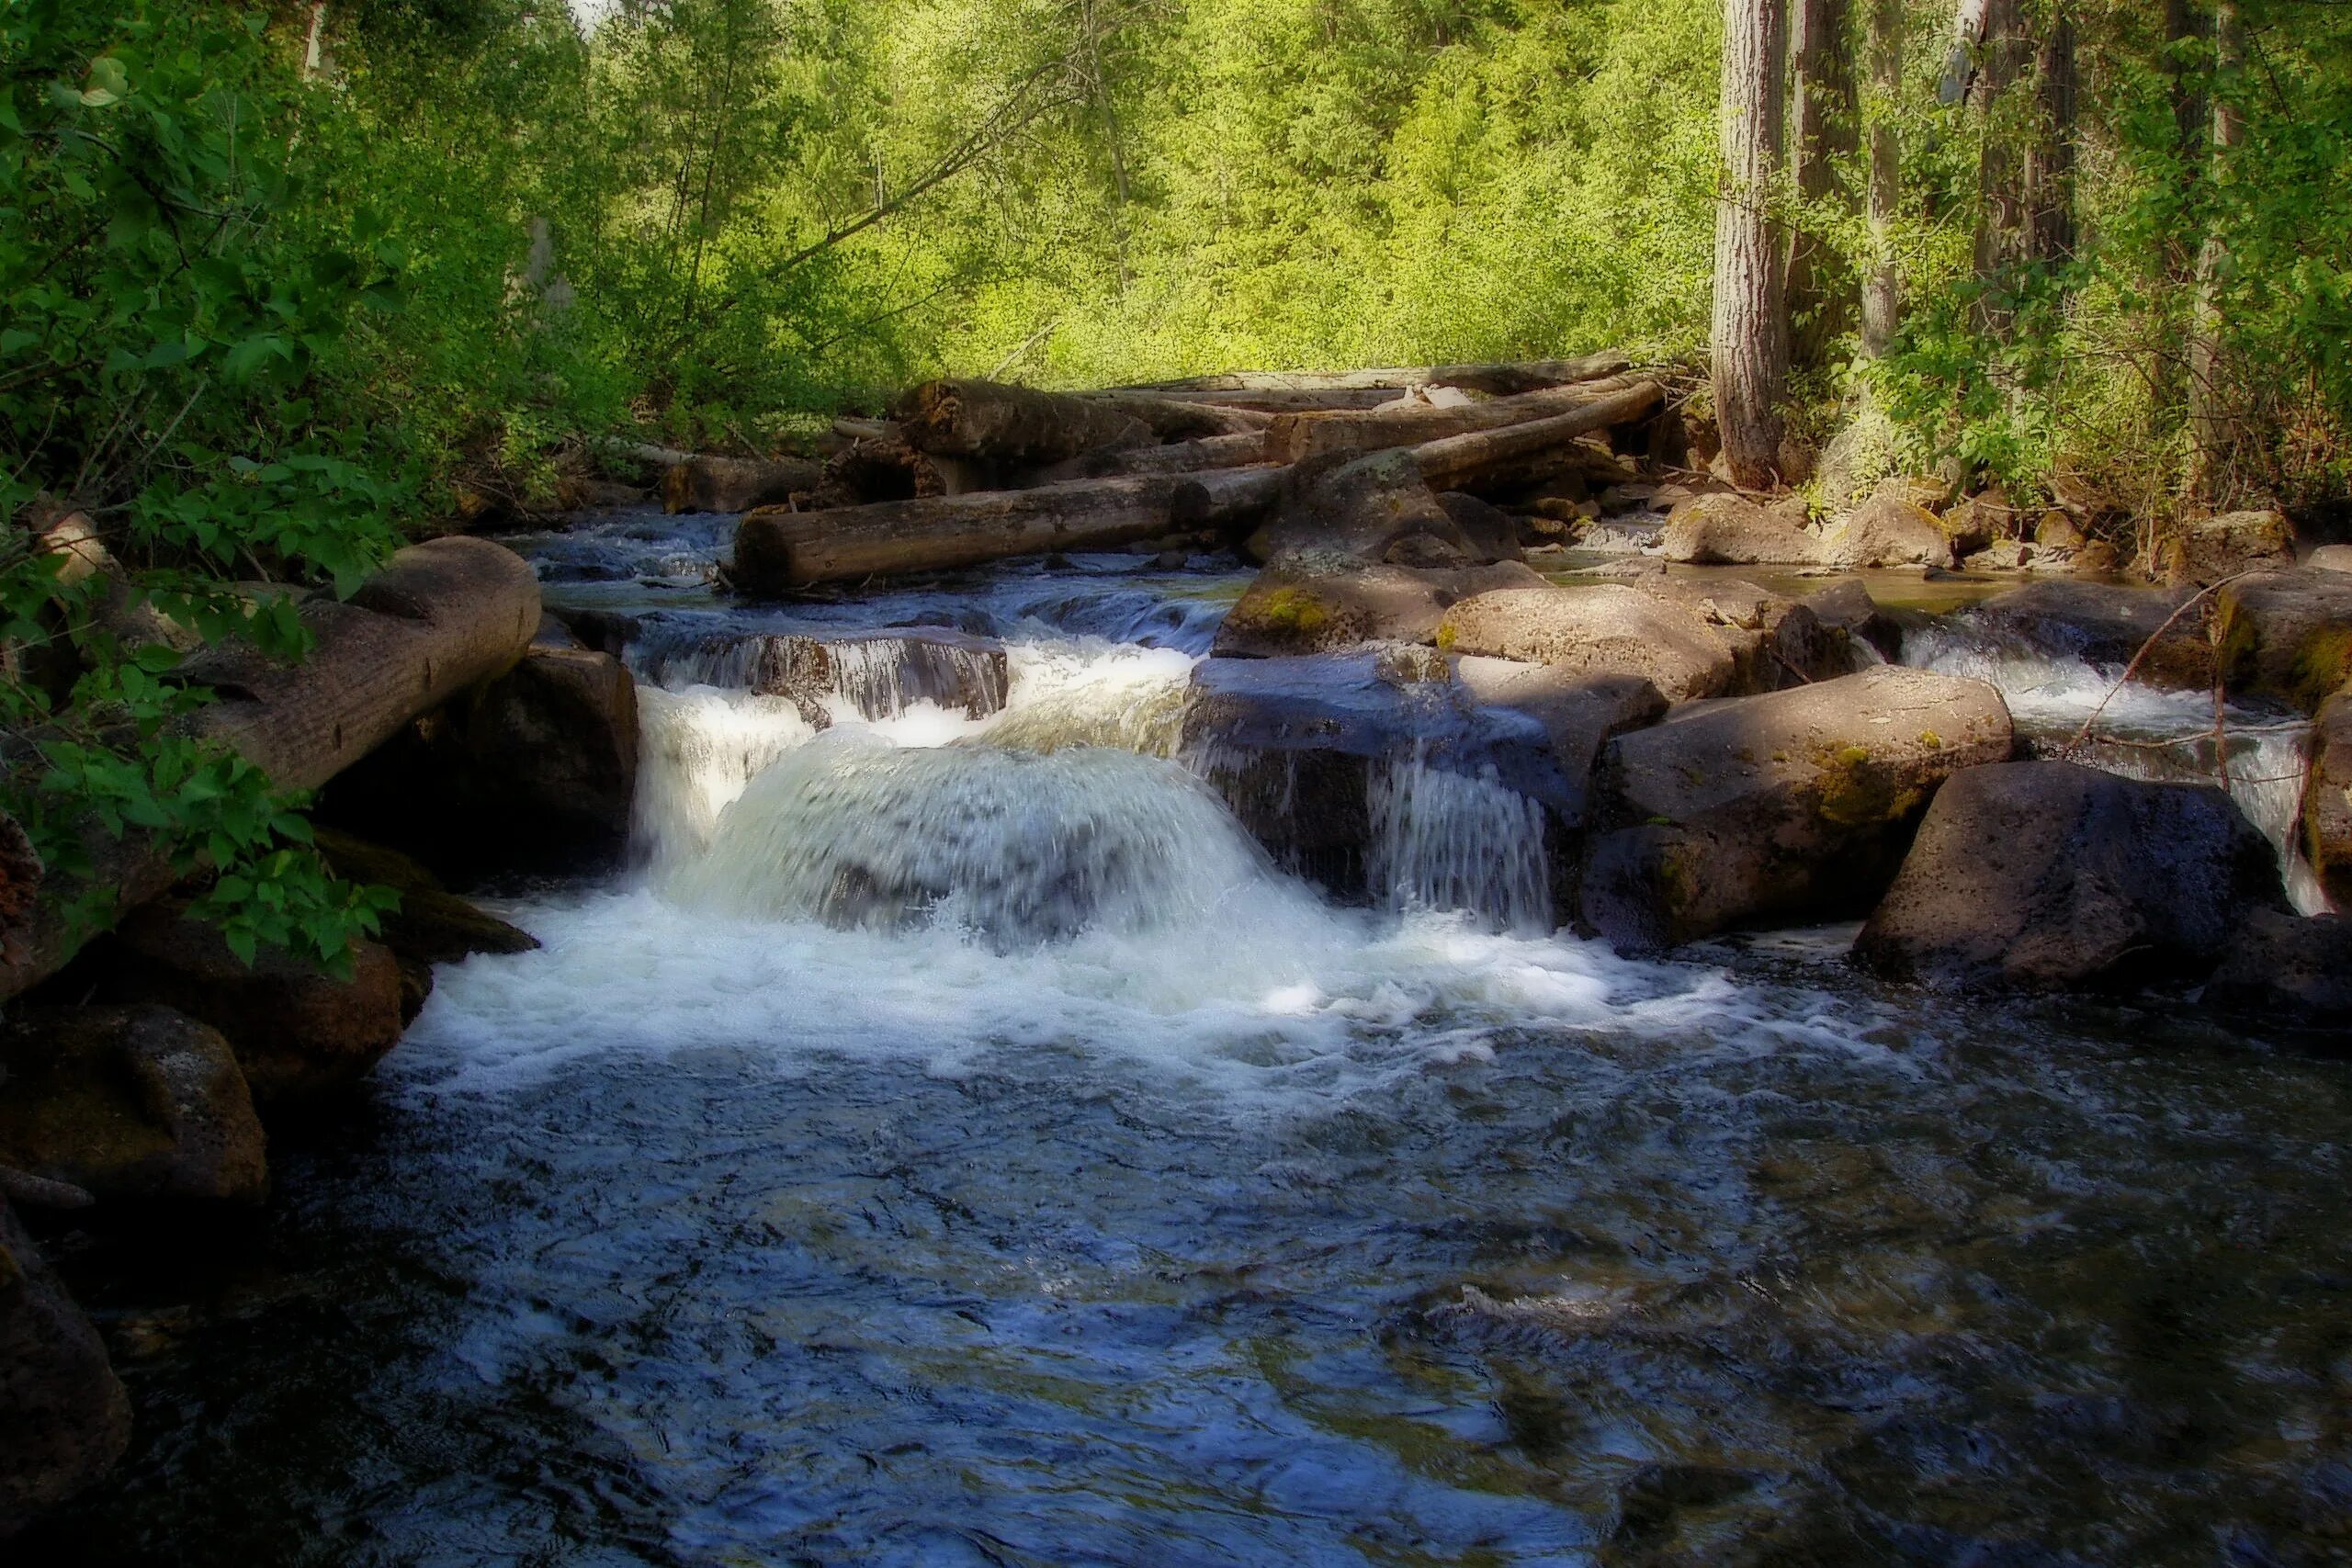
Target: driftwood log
x=1498, y=379
x=1176, y=458
x=734, y=484
x=1014, y=424
x=439, y=617
x=1447, y=464
x=1297, y=437
x=778, y=551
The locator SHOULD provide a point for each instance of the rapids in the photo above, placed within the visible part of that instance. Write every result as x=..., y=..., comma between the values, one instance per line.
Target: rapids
x=954, y=1140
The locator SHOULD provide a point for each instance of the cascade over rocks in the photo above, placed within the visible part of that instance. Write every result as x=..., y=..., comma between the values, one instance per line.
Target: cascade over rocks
x=128, y=1102
x=2286, y=635
x=1323, y=602
x=2107, y=625
x=2052, y=877
x=1726, y=529
x=1849, y=607
x=881, y=673
x=64, y=1418
x=296, y=1032
x=1784, y=808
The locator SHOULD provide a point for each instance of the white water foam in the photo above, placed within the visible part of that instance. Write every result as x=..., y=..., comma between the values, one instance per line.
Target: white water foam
x=1446, y=840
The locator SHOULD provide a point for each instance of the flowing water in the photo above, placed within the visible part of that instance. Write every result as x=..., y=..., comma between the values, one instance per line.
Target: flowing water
x=956, y=1141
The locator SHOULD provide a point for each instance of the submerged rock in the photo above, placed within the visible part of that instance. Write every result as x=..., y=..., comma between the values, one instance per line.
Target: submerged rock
x=2293, y=968
x=2287, y=635
x=1792, y=807
x=1730, y=530
x=136, y=1102
x=2049, y=875
x=296, y=1032
x=64, y=1418
x=1328, y=602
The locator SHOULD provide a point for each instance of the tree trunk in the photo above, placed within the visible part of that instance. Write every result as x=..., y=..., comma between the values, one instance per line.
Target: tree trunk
x=777, y=552
x=1750, y=328
x=1498, y=379
x=2049, y=155
x=2000, y=196
x=1881, y=289
x=1014, y=424
x=1450, y=461
x=438, y=618
x=2211, y=422
x=1820, y=284
x=1297, y=437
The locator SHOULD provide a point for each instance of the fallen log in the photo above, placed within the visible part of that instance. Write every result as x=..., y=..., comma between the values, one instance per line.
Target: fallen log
x=1498, y=379
x=778, y=551
x=734, y=484
x=1446, y=464
x=1176, y=458
x=1274, y=399
x=1298, y=436
x=1014, y=424
x=1172, y=419
x=439, y=617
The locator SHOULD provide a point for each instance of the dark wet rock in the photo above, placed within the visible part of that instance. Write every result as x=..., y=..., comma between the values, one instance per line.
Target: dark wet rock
x=605, y=631
x=2327, y=799
x=1787, y=808
x=1887, y=530
x=1489, y=533
x=1324, y=604
x=432, y=925
x=534, y=771
x=2287, y=635
x=1295, y=746
x=1604, y=630
x=64, y=1418
x=2104, y=623
x=297, y=1031
x=1726, y=529
x=1374, y=509
x=1849, y=607
x=2208, y=549
x=2049, y=876
x=1578, y=711
x=2294, y=968
x=131, y=1103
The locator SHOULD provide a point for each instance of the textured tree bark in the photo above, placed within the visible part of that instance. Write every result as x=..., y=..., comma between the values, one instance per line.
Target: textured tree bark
x=1176, y=458
x=1459, y=459
x=2211, y=422
x=1498, y=379
x=1014, y=424
x=1297, y=437
x=2000, y=194
x=1174, y=419
x=439, y=617
x=777, y=552
x=1881, y=288
x=1751, y=328
x=2049, y=155
x=1820, y=284
x=734, y=484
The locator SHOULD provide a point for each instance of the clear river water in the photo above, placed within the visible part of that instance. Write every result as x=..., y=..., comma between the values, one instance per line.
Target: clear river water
x=1135, y=1205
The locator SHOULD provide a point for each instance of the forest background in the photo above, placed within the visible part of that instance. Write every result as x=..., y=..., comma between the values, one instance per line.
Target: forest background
x=283, y=285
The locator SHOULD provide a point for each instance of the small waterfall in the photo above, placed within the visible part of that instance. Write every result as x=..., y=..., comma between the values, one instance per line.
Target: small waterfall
x=878, y=677
x=697, y=750
x=1093, y=693
x=1016, y=847
x=1446, y=840
x=2267, y=769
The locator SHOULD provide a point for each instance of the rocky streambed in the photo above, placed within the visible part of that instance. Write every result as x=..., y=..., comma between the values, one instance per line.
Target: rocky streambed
x=1118, y=1060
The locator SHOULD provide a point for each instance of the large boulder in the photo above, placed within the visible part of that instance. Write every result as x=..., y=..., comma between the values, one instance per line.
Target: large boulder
x=2286, y=635
x=2328, y=800
x=64, y=1418
x=2050, y=875
x=432, y=925
x=2208, y=549
x=297, y=1031
x=2107, y=624
x=1791, y=806
x=533, y=771
x=1299, y=747
x=136, y=1103
x=1887, y=530
x=1324, y=602
x=1775, y=641
x=1847, y=607
x=1724, y=529
x=1375, y=508
x=2294, y=969
x=1605, y=630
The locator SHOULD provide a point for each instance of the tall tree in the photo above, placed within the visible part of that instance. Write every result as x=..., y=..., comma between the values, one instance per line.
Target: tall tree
x=1882, y=299
x=1751, y=322
x=2210, y=418
x=2050, y=149
x=2000, y=193
x=1822, y=95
